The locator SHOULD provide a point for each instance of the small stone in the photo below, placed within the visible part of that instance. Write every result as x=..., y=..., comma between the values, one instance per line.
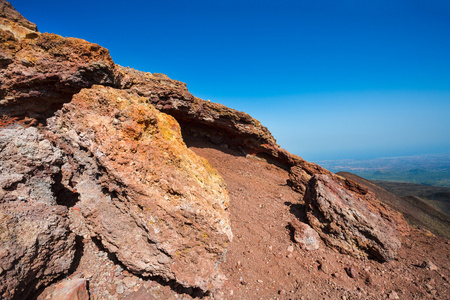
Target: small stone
x=393, y=295
x=148, y=284
x=429, y=265
x=87, y=274
x=351, y=272
x=129, y=282
x=231, y=292
x=119, y=289
x=259, y=281
x=71, y=289
x=304, y=235
x=323, y=266
x=290, y=248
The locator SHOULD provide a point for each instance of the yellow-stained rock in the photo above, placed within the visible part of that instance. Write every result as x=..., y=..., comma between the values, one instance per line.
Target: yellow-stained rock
x=149, y=199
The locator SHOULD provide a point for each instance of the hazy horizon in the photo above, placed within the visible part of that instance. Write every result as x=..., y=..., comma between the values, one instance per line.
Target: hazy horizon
x=330, y=80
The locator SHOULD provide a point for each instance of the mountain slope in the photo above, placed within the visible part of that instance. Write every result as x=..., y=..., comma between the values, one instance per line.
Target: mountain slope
x=416, y=211
x=151, y=184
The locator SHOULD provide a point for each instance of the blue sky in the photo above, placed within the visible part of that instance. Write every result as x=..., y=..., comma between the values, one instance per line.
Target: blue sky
x=330, y=79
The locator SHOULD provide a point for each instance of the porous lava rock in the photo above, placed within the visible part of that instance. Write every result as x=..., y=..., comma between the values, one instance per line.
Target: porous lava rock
x=8, y=12
x=72, y=289
x=352, y=223
x=305, y=236
x=28, y=164
x=213, y=121
x=41, y=71
x=106, y=145
x=161, y=209
x=36, y=245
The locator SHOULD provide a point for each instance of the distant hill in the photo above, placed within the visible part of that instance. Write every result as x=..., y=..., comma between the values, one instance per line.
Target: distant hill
x=420, y=169
x=438, y=197
x=422, y=206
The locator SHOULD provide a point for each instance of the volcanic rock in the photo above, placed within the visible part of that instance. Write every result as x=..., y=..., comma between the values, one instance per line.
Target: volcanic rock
x=74, y=289
x=354, y=224
x=36, y=245
x=305, y=236
x=40, y=72
x=161, y=209
x=28, y=164
x=197, y=117
x=8, y=12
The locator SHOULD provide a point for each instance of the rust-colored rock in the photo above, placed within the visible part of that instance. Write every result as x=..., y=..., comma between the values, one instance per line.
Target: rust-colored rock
x=161, y=209
x=74, y=289
x=40, y=72
x=36, y=245
x=216, y=122
x=352, y=223
x=8, y=12
x=305, y=236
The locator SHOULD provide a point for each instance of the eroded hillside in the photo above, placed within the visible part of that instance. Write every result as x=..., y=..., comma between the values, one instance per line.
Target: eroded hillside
x=117, y=183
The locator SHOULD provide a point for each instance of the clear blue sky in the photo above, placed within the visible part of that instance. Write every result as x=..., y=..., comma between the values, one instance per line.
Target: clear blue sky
x=330, y=79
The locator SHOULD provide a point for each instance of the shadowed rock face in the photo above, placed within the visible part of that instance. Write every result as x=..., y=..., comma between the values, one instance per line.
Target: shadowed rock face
x=213, y=121
x=151, y=201
x=36, y=245
x=352, y=223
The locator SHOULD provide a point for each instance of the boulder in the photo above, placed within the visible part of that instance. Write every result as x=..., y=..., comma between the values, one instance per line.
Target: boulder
x=213, y=121
x=352, y=223
x=158, y=207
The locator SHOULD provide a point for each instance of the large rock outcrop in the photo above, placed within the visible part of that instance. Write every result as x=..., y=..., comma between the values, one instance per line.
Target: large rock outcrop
x=352, y=223
x=109, y=140
x=161, y=209
x=41, y=71
x=36, y=245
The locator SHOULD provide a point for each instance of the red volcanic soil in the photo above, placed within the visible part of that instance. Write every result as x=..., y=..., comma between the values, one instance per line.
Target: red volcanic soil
x=264, y=262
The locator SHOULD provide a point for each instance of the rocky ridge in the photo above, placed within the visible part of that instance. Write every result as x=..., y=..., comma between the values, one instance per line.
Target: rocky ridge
x=117, y=170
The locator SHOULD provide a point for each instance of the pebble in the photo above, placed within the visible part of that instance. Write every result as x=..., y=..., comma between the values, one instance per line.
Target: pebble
x=129, y=282
x=393, y=295
x=119, y=289
x=351, y=272
x=290, y=248
x=429, y=265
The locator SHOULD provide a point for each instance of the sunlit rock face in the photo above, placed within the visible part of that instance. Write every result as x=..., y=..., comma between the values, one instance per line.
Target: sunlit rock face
x=353, y=223
x=36, y=244
x=161, y=209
